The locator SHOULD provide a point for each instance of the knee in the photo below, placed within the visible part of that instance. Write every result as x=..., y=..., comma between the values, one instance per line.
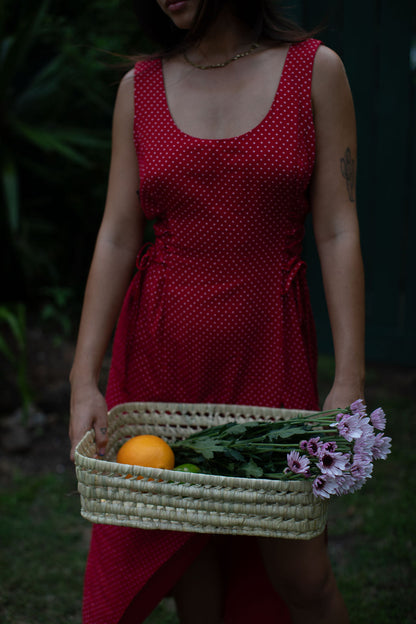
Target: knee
x=301, y=573
x=309, y=589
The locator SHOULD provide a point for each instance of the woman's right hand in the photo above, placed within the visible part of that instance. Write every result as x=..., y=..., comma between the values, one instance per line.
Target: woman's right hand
x=88, y=410
x=118, y=243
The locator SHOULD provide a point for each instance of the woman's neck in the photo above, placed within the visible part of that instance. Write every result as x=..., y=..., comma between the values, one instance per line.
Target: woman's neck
x=226, y=37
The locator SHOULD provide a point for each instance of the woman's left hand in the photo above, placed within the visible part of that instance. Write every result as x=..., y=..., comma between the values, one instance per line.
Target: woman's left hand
x=343, y=394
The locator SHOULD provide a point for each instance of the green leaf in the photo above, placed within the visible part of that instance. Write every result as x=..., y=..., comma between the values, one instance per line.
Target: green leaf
x=251, y=469
x=205, y=447
x=10, y=183
x=208, y=449
x=26, y=33
x=61, y=295
x=79, y=136
x=43, y=85
x=234, y=454
x=50, y=141
x=288, y=432
x=16, y=322
x=6, y=351
x=4, y=47
x=236, y=430
x=282, y=475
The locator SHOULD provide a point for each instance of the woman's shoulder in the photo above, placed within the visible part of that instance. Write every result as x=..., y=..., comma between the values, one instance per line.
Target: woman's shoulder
x=124, y=104
x=330, y=85
x=142, y=68
x=128, y=78
x=126, y=86
x=327, y=61
x=328, y=69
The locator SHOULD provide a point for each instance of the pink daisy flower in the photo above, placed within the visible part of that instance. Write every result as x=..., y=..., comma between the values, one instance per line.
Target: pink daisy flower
x=382, y=446
x=313, y=445
x=323, y=486
x=350, y=427
x=355, y=485
x=358, y=407
x=361, y=470
x=333, y=464
x=330, y=446
x=299, y=464
x=364, y=444
x=378, y=419
x=344, y=484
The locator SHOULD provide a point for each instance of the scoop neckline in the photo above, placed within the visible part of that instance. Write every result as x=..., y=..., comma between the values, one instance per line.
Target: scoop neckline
x=224, y=139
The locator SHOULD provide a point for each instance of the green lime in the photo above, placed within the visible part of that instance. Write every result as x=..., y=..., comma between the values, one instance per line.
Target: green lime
x=187, y=468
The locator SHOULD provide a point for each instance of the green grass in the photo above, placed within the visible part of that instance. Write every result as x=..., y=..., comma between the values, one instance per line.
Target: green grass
x=372, y=540
x=44, y=541
x=43, y=550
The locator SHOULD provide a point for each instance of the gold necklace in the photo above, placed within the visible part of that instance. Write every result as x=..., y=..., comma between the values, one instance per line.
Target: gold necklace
x=250, y=50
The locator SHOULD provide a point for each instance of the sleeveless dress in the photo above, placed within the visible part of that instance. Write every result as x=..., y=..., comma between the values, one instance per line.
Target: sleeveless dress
x=218, y=312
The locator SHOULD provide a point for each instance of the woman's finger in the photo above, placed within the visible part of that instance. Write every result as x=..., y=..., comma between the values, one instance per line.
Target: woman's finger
x=101, y=435
x=76, y=436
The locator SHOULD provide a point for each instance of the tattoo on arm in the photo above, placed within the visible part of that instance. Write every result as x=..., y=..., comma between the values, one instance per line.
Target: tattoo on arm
x=103, y=430
x=348, y=172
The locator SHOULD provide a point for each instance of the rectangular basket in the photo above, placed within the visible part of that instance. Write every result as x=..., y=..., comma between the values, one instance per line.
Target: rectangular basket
x=202, y=503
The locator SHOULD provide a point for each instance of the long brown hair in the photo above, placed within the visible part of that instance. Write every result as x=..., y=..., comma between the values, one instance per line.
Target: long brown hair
x=265, y=16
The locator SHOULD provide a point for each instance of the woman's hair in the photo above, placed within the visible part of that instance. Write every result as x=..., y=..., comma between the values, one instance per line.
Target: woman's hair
x=263, y=15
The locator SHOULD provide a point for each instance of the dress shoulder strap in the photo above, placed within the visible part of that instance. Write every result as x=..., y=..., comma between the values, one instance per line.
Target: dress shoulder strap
x=147, y=95
x=302, y=58
x=297, y=87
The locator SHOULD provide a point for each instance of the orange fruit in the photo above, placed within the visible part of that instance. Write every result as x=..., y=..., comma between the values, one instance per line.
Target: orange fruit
x=146, y=450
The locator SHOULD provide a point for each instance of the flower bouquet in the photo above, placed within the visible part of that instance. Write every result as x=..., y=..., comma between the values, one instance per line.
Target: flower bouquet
x=335, y=449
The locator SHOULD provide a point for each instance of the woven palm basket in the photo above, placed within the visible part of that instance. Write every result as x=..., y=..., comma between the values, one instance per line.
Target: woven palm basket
x=167, y=499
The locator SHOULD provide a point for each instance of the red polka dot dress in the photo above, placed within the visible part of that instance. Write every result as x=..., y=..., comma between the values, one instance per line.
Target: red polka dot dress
x=218, y=311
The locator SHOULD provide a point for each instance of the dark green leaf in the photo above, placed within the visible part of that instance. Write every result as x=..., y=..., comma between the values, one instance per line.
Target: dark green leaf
x=28, y=31
x=235, y=454
x=49, y=141
x=293, y=431
x=277, y=475
x=207, y=448
x=6, y=351
x=251, y=469
x=237, y=430
x=11, y=192
x=16, y=322
x=44, y=84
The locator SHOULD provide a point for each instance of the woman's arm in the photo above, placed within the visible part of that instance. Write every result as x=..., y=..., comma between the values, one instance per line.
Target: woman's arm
x=336, y=225
x=118, y=242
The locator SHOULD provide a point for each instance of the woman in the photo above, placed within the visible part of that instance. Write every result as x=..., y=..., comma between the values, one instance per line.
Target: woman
x=240, y=128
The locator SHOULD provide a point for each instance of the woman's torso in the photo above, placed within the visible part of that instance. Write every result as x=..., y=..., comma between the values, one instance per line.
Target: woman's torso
x=221, y=310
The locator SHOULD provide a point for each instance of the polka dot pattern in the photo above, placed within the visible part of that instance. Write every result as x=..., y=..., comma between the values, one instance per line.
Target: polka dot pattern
x=219, y=308
x=218, y=311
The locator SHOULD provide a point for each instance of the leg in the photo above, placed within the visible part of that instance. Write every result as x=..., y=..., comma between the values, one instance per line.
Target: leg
x=301, y=573
x=199, y=594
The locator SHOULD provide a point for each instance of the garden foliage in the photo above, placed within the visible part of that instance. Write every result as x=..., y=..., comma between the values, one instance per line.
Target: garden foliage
x=60, y=65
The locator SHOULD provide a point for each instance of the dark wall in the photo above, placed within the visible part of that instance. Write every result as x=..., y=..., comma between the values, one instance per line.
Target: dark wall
x=377, y=42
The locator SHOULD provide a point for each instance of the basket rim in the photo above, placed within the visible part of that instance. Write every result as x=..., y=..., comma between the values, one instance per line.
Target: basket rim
x=249, y=483
x=203, y=408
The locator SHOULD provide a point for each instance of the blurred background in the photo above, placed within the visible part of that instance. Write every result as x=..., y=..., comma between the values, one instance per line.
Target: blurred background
x=60, y=64
x=376, y=39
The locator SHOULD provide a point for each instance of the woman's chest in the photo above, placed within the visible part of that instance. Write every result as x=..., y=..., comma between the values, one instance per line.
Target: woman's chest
x=218, y=113
x=226, y=102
